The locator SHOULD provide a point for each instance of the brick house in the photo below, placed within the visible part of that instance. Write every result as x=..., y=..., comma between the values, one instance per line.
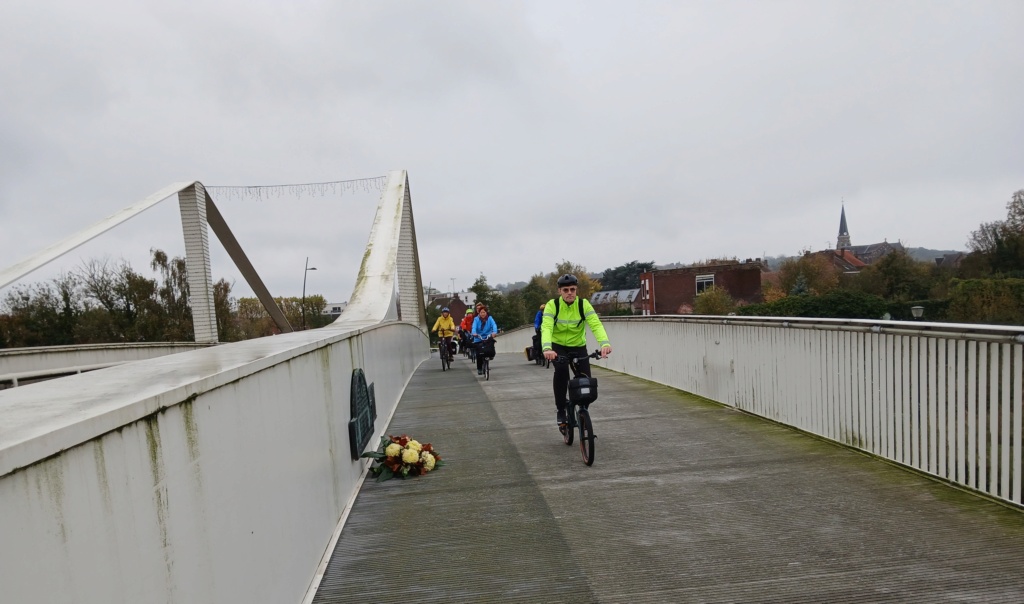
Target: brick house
x=844, y=260
x=873, y=252
x=672, y=291
x=454, y=304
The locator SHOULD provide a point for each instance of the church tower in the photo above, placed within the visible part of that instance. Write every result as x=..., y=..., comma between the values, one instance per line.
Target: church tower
x=844, y=233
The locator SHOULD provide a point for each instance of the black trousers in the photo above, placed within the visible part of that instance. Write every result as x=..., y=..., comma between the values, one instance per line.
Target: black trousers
x=561, y=380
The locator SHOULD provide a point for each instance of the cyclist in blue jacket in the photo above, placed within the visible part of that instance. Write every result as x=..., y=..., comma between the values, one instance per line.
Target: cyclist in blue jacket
x=484, y=328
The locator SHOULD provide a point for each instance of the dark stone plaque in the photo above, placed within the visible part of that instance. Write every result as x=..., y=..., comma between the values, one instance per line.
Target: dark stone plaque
x=363, y=413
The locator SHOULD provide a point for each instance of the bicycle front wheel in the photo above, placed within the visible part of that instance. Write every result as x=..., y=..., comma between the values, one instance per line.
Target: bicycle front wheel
x=586, y=437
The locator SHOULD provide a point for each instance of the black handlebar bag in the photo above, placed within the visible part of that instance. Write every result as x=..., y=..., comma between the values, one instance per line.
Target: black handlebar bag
x=486, y=348
x=583, y=390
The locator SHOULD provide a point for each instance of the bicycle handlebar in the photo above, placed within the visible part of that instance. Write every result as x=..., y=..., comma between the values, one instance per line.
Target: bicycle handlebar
x=565, y=358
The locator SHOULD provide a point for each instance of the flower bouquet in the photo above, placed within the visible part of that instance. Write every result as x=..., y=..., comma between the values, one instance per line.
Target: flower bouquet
x=401, y=456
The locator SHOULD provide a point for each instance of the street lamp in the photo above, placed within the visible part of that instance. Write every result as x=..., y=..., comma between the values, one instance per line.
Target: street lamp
x=304, y=273
x=917, y=311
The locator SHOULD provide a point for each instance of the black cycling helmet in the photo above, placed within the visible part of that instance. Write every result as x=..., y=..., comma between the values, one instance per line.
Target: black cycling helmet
x=567, y=280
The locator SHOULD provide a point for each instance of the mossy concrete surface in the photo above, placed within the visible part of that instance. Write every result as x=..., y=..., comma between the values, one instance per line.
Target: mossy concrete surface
x=688, y=501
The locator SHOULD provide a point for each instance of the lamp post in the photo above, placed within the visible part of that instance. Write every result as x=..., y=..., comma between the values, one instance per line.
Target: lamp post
x=917, y=311
x=304, y=273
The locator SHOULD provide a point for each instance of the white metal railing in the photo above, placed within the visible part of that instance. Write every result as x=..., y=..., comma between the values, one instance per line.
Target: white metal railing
x=943, y=399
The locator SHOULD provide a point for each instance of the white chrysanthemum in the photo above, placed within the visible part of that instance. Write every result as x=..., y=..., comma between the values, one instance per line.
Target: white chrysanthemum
x=393, y=450
x=410, y=456
x=428, y=461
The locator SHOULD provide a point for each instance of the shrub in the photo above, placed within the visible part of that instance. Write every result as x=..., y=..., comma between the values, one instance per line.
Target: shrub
x=998, y=301
x=837, y=304
x=713, y=301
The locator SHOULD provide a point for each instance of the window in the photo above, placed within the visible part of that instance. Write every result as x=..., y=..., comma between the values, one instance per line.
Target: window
x=705, y=282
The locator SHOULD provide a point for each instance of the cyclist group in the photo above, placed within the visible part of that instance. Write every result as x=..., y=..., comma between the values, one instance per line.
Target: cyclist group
x=560, y=325
x=477, y=333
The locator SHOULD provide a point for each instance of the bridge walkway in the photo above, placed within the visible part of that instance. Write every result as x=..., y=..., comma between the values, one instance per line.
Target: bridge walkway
x=688, y=501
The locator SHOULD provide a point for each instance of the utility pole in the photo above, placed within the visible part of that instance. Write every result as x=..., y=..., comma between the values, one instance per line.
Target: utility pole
x=304, y=273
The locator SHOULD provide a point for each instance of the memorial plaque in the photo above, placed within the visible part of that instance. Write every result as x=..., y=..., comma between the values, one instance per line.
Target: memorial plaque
x=363, y=414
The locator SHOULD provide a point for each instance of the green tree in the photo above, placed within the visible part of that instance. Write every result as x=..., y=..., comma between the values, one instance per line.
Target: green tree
x=36, y=316
x=587, y=286
x=838, y=303
x=253, y=321
x=433, y=312
x=172, y=294
x=896, y=276
x=993, y=301
x=626, y=276
x=713, y=301
x=534, y=294
x=999, y=245
x=223, y=306
x=819, y=275
x=800, y=287
x=484, y=293
x=105, y=302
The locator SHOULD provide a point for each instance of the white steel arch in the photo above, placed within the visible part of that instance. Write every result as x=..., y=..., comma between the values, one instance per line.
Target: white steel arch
x=389, y=286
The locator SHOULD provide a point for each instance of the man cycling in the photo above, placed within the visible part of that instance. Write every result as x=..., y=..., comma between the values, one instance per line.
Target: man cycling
x=565, y=335
x=445, y=328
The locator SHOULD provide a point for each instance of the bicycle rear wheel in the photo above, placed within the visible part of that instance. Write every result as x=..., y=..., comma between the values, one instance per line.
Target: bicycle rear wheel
x=586, y=437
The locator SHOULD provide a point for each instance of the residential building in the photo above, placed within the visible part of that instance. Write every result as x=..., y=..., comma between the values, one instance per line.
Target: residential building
x=605, y=302
x=844, y=260
x=455, y=304
x=672, y=291
x=334, y=309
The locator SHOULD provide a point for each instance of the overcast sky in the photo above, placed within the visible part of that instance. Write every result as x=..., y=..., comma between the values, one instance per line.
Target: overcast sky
x=598, y=132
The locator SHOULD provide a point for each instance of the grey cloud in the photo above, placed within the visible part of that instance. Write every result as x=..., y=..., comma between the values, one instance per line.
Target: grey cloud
x=658, y=130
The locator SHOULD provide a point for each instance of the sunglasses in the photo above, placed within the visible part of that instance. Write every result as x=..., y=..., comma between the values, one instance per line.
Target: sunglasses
x=570, y=290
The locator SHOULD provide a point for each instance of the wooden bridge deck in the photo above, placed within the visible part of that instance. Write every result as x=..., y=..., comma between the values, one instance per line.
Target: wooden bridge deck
x=688, y=501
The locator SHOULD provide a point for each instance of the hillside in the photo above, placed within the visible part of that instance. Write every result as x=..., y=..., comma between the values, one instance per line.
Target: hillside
x=927, y=255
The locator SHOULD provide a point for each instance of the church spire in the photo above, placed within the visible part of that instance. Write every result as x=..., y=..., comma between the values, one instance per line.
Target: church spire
x=844, y=233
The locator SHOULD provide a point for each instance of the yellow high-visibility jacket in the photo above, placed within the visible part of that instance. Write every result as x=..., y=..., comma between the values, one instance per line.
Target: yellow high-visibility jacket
x=568, y=330
x=444, y=327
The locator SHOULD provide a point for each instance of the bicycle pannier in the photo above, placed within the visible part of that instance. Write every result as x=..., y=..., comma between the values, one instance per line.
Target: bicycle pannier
x=583, y=390
x=487, y=348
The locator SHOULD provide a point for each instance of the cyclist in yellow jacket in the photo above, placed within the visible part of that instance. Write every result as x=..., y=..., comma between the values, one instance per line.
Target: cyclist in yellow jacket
x=445, y=328
x=562, y=333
